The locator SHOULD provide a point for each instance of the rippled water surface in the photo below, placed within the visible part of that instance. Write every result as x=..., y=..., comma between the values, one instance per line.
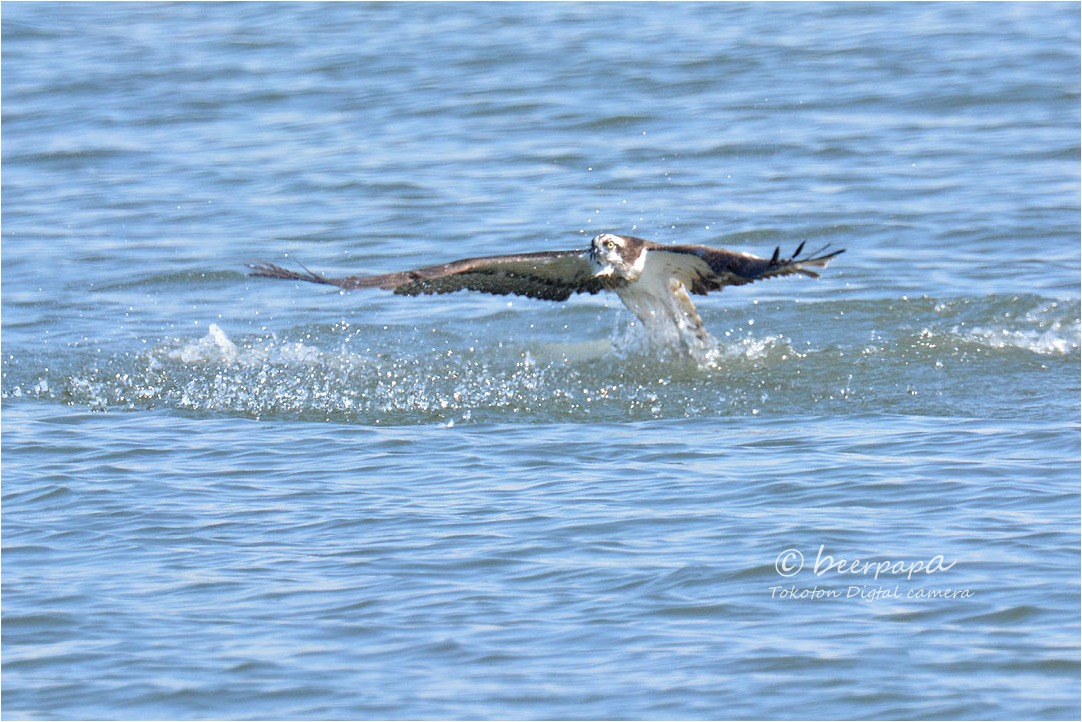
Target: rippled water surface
x=227, y=497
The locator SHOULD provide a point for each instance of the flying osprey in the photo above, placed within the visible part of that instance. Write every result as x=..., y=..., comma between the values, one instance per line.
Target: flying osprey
x=652, y=280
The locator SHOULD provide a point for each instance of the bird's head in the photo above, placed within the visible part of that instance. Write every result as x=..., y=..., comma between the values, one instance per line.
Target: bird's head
x=618, y=256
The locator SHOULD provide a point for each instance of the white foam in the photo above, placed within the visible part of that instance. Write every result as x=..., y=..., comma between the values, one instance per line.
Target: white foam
x=1056, y=341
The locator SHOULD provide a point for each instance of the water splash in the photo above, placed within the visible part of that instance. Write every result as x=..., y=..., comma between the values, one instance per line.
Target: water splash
x=215, y=346
x=916, y=356
x=261, y=377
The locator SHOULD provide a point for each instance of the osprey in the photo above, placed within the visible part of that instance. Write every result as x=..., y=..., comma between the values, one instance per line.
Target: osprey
x=651, y=279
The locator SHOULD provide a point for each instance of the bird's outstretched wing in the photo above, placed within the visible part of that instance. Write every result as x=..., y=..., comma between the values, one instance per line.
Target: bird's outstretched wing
x=703, y=269
x=549, y=275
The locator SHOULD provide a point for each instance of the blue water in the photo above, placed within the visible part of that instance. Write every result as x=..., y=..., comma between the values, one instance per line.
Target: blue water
x=227, y=497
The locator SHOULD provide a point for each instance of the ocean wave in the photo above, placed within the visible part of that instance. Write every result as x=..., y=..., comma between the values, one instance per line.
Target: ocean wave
x=1043, y=327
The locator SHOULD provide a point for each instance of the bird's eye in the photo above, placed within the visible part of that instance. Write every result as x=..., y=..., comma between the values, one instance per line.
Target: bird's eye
x=610, y=245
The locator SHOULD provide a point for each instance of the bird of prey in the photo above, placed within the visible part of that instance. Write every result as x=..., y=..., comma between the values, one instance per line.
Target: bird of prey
x=653, y=280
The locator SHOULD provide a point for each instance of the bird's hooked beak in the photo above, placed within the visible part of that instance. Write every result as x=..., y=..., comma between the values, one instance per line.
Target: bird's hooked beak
x=596, y=258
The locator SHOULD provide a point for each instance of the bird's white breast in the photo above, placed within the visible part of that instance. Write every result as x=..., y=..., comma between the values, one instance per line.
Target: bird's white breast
x=655, y=275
